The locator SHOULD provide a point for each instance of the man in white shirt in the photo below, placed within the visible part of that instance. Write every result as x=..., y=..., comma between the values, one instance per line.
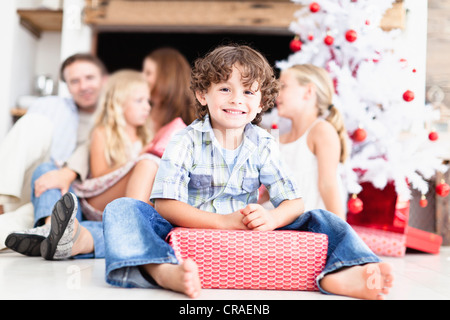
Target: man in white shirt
x=55, y=129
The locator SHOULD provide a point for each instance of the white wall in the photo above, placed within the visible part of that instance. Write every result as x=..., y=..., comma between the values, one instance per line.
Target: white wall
x=48, y=54
x=14, y=62
x=23, y=56
x=75, y=36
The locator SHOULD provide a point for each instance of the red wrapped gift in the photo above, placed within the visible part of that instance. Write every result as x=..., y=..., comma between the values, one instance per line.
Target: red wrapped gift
x=241, y=259
x=158, y=145
x=383, y=243
x=422, y=240
x=381, y=209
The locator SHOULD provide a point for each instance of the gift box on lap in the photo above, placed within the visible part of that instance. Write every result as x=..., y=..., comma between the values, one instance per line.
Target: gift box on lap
x=241, y=259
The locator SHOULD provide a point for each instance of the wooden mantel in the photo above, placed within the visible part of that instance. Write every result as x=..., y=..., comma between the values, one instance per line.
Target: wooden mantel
x=39, y=20
x=204, y=15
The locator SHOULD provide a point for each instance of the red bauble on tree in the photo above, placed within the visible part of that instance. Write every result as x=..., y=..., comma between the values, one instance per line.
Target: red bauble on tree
x=403, y=62
x=351, y=35
x=433, y=135
x=359, y=135
x=314, y=7
x=295, y=44
x=408, y=96
x=423, y=201
x=355, y=205
x=443, y=189
x=328, y=40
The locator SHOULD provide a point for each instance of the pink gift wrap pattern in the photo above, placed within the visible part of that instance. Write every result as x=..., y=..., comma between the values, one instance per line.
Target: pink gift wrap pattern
x=271, y=260
x=383, y=242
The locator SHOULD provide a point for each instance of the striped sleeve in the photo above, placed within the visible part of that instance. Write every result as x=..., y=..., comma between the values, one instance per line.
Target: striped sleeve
x=172, y=178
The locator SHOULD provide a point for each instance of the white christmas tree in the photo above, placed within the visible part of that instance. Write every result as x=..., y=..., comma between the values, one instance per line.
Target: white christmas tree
x=374, y=92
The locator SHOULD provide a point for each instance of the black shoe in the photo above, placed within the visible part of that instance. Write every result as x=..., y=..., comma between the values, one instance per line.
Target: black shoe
x=28, y=242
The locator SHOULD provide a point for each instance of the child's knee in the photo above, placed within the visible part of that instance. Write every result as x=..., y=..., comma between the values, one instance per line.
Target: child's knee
x=326, y=216
x=124, y=207
x=117, y=207
x=42, y=169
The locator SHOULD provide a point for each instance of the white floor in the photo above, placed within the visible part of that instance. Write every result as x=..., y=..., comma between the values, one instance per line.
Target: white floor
x=418, y=276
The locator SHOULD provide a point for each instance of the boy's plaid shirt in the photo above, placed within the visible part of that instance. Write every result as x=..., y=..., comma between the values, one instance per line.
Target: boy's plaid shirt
x=193, y=170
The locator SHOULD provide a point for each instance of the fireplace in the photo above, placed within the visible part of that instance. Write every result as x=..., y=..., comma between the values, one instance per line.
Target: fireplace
x=128, y=49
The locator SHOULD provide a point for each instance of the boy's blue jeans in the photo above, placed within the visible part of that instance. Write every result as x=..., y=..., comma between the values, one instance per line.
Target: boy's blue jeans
x=43, y=207
x=135, y=235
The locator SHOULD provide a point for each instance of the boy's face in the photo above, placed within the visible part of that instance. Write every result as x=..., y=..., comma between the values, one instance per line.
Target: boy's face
x=231, y=104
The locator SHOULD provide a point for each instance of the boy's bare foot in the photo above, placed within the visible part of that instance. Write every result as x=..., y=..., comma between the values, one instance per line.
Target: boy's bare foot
x=371, y=281
x=182, y=278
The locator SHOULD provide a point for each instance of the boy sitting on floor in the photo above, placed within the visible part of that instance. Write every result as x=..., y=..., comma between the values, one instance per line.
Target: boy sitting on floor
x=209, y=178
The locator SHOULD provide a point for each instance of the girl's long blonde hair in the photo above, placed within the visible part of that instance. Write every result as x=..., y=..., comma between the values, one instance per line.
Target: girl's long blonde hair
x=319, y=77
x=110, y=115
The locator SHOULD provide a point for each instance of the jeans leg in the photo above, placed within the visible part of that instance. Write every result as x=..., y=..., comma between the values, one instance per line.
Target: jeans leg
x=345, y=247
x=43, y=205
x=134, y=235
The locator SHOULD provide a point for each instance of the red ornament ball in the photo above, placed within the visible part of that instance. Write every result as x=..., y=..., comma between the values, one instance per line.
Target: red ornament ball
x=328, y=40
x=403, y=62
x=355, y=205
x=359, y=135
x=423, y=202
x=351, y=35
x=274, y=126
x=295, y=45
x=443, y=189
x=408, y=96
x=314, y=7
x=433, y=136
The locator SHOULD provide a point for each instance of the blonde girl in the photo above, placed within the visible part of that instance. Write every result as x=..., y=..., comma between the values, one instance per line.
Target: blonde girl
x=118, y=166
x=317, y=140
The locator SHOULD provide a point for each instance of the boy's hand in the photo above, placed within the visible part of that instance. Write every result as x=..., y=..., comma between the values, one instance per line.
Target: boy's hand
x=233, y=221
x=257, y=218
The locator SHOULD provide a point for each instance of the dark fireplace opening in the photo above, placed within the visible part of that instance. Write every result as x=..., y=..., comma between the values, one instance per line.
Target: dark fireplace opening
x=120, y=50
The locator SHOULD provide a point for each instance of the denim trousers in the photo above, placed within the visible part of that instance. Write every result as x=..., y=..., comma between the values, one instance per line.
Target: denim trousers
x=43, y=207
x=135, y=235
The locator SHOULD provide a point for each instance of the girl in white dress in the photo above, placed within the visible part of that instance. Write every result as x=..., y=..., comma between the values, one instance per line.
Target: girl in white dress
x=317, y=141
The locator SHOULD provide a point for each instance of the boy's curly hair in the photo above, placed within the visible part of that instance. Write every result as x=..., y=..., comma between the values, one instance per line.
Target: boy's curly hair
x=217, y=67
